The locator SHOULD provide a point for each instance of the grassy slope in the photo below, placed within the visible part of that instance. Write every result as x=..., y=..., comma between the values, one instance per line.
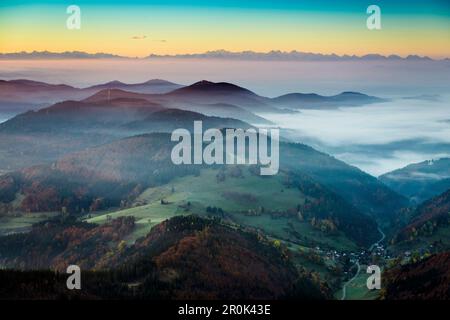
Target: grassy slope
x=249, y=193
x=22, y=223
x=357, y=289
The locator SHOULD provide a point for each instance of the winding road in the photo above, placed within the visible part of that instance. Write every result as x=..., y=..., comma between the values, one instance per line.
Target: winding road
x=382, y=238
x=344, y=288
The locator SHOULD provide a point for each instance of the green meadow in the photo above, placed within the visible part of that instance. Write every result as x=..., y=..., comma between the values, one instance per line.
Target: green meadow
x=23, y=222
x=247, y=200
x=357, y=289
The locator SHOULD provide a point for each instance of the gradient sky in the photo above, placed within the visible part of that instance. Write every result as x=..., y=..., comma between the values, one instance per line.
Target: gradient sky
x=194, y=26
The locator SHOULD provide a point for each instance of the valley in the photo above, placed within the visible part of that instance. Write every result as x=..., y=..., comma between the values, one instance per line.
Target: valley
x=202, y=159
x=91, y=182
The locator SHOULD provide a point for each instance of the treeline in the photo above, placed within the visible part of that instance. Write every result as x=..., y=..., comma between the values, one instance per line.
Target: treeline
x=328, y=212
x=428, y=279
x=61, y=241
x=55, y=190
x=427, y=218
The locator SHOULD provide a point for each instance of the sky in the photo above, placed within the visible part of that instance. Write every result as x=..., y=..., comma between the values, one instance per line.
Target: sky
x=139, y=28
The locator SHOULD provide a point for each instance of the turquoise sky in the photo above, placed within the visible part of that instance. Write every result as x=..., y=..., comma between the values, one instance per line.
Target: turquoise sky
x=435, y=7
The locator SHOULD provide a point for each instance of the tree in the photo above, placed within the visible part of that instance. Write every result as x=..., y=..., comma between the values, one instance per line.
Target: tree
x=277, y=243
x=121, y=246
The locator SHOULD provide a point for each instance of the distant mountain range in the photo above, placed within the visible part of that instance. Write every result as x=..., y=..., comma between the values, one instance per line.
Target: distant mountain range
x=38, y=93
x=58, y=55
x=274, y=55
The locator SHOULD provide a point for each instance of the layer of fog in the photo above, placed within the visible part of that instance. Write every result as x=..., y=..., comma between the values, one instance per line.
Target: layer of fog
x=376, y=138
x=5, y=117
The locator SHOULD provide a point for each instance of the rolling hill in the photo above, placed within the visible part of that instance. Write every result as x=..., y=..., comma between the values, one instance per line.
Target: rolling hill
x=207, y=92
x=211, y=106
x=213, y=99
x=45, y=152
x=37, y=137
x=35, y=92
x=170, y=119
x=420, y=181
x=315, y=101
x=428, y=279
x=429, y=223
x=26, y=94
x=116, y=173
x=363, y=191
x=225, y=110
x=157, y=86
x=109, y=173
x=289, y=207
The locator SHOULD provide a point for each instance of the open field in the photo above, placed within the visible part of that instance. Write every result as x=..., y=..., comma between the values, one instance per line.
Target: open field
x=146, y=216
x=357, y=289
